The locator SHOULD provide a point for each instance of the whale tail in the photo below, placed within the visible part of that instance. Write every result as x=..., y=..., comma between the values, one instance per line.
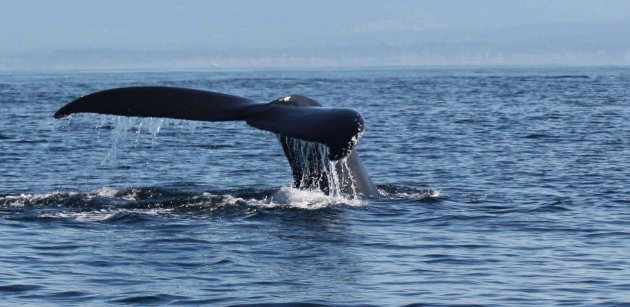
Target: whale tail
x=293, y=116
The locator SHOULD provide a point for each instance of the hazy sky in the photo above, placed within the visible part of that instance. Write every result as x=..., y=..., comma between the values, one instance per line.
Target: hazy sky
x=161, y=24
x=102, y=34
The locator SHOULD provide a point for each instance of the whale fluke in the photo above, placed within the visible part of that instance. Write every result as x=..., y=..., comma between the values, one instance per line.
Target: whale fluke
x=293, y=116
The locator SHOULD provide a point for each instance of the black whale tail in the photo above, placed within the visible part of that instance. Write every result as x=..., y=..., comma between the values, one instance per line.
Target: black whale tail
x=293, y=116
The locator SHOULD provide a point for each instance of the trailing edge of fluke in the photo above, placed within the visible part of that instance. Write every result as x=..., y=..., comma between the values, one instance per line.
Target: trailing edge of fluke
x=293, y=116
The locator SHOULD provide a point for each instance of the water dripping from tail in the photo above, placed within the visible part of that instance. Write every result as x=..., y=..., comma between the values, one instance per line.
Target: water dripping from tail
x=314, y=171
x=146, y=130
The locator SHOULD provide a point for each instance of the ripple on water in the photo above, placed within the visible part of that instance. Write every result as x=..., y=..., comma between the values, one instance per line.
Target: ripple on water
x=19, y=288
x=148, y=299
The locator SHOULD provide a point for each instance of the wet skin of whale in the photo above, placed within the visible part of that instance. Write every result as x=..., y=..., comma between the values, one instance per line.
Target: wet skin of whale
x=317, y=141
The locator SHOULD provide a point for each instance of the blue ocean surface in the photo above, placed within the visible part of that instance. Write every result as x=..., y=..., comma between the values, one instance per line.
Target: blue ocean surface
x=500, y=186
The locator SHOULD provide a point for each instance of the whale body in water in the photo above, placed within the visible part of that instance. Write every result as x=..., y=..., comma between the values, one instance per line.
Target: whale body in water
x=319, y=142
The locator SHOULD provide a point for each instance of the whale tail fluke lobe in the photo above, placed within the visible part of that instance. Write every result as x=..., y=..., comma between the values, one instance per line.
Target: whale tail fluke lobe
x=298, y=117
x=167, y=102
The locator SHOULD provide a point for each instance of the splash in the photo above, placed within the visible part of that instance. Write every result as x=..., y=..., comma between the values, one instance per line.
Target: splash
x=287, y=197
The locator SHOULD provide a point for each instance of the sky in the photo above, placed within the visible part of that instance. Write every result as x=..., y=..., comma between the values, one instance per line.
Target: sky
x=294, y=32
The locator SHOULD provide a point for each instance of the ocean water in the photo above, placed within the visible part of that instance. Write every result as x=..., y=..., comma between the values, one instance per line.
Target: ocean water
x=501, y=186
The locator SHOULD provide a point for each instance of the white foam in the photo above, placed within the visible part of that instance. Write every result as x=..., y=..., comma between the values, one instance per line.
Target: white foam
x=105, y=192
x=419, y=195
x=93, y=216
x=19, y=201
x=101, y=215
x=288, y=197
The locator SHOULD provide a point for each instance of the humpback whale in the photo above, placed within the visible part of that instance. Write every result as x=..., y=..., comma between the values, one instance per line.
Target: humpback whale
x=318, y=142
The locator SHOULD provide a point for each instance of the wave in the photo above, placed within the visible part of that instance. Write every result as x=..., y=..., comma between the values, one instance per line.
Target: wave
x=109, y=204
x=567, y=77
x=135, y=204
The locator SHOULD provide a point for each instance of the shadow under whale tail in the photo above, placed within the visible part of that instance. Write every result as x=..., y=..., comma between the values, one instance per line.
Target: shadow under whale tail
x=291, y=117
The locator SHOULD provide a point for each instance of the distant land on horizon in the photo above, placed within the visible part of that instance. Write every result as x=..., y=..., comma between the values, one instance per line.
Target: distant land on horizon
x=550, y=44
